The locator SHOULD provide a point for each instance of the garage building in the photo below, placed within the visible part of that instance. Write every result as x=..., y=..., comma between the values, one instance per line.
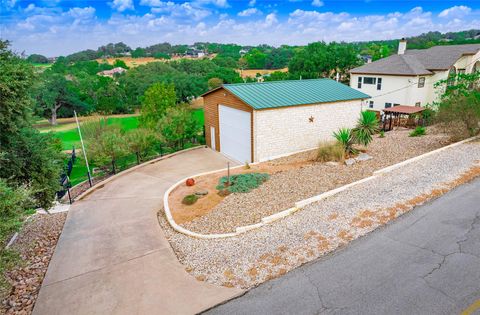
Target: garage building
x=262, y=121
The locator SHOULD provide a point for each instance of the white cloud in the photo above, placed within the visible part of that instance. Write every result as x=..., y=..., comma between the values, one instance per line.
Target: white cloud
x=249, y=12
x=30, y=7
x=122, y=5
x=271, y=19
x=217, y=3
x=47, y=30
x=251, y=3
x=455, y=11
x=317, y=3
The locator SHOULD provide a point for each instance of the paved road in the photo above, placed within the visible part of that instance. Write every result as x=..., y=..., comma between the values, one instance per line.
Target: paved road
x=112, y=256
x=427, y=262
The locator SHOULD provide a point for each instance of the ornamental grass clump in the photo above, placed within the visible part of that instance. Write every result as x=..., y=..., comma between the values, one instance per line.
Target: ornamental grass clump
x=330, y=151
x=419, y=131
x=242, y=183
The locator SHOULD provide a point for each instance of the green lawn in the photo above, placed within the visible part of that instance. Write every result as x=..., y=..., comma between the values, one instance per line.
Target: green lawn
x=70, y=138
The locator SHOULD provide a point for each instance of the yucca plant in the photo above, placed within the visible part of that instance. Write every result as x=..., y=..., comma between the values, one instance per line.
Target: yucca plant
x=345, y=137
x=367, y=126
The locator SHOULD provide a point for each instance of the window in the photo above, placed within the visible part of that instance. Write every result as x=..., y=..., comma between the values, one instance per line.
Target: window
x=421, y=82
x=370, y=104
x=462, y=71
x=388, y=105
x=417, y=104
x=359, y=82
x=379, y=84
x=396, y=105
x=369, y=80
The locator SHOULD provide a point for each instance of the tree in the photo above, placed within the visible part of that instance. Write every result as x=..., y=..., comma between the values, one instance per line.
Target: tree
x=120, y=63
x=255, y=59
x=54, y=92
x=178, y=125
x=27, y=157
x=214, y=83
x=35, y=58
x=156, y=100
x=140, y=142
x=111, y=99
x=108, y=146
x=139, y=53
x=460, y=114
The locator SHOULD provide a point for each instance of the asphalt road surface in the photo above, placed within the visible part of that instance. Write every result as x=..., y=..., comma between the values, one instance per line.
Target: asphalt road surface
x=426, y=262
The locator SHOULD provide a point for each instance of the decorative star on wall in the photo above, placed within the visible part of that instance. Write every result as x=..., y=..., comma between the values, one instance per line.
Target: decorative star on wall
x=311, y=119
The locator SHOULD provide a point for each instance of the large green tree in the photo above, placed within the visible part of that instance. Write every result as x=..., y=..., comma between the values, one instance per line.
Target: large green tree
x=156, y=100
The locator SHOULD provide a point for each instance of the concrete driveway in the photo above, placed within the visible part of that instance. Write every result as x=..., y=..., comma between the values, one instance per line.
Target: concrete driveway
x=426, y=262
x=112, y=256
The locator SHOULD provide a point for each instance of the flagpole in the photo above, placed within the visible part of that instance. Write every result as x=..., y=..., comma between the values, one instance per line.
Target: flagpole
x=83, y=149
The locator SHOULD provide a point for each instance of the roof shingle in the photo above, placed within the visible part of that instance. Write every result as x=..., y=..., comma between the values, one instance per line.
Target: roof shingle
x=419, y=61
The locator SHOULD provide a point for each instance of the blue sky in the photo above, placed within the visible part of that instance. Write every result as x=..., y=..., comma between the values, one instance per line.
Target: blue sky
x=59, y=27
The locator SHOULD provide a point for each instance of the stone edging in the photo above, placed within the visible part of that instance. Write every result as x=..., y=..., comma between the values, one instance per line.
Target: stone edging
x=131, y=169
x=298, y=205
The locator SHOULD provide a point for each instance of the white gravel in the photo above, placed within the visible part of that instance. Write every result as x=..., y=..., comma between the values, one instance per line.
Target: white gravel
x=271, y=251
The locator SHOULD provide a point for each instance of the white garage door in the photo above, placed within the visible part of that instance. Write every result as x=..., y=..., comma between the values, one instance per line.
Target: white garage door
x=235, y=133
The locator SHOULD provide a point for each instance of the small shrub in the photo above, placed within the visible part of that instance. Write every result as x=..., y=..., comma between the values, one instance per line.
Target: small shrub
x=330, y=151
x=419, y=131
x=189, y=199
x=247, y=166
x=242, y=183
x=367, y=126
x=345, y=137
x=381, y=134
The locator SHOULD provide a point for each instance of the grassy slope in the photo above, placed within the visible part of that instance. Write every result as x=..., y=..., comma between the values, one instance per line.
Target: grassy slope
x=70, y=138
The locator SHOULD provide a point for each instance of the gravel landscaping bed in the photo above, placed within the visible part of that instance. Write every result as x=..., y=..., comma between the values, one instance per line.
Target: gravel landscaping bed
x=36, y=243
x=273, y=250
x=285, y=188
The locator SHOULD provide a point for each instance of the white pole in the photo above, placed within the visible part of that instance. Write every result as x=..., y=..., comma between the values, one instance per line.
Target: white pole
x=83, y=149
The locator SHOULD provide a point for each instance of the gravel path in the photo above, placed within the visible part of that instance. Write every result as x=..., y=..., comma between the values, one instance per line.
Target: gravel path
x=35, y=244
x=283, y=189
x=321, y=227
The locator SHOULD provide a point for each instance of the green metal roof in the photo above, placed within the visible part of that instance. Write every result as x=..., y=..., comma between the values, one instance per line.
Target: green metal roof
x=294, y=92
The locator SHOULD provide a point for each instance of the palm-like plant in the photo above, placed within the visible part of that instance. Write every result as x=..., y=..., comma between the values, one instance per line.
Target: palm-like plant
x=367, y=126
x=345, y=137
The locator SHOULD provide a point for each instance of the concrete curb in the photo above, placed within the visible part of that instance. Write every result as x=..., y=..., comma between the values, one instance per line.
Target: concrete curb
x=299, y=204
x=136, y=167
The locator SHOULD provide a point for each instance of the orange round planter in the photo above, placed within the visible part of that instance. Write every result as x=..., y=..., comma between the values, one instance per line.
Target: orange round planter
x=190, y=182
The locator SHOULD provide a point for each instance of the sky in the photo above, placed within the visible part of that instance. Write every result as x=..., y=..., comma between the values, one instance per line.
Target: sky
x=61, y=27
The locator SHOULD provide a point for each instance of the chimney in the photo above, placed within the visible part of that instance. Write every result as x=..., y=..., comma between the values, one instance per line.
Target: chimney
x=402, y=46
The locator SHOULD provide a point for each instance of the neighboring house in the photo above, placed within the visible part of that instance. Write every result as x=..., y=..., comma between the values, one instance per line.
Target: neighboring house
x=408, y=78
x=261, y=121
x=112, y=72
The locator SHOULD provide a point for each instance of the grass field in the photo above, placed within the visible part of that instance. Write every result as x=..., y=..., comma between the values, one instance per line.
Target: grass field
x=70, y=139
x=252, y=73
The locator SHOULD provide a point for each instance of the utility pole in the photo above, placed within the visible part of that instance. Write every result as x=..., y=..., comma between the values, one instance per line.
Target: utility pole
x=83, y=149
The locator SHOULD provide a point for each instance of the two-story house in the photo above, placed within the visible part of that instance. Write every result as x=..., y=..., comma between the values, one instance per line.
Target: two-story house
x=409, y=77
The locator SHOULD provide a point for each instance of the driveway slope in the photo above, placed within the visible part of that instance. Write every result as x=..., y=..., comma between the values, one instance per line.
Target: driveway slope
x=112, y=256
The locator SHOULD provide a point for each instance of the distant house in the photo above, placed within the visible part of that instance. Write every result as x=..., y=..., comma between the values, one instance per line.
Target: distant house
x=261, y=121
x=112, y=72
x=408, y=77
x=195, y=53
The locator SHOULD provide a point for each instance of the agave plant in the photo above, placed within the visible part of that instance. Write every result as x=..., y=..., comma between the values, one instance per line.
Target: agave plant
x=345, y=137
x=367, y=126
